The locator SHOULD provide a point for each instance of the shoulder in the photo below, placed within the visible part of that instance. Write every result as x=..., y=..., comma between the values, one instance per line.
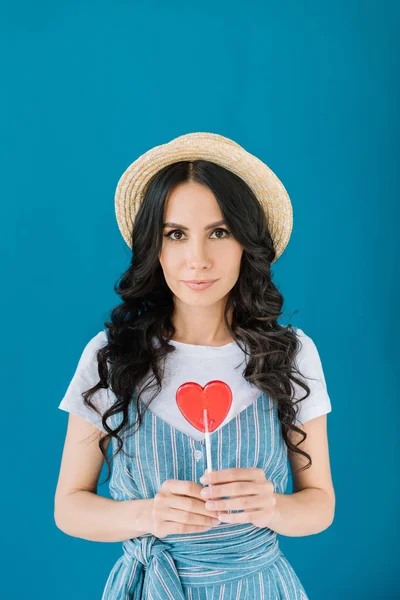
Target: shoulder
x=309, y=367
x=97, y=341
x=88, y=358
x=308, y=351
x=86, y=376
x=100, y=339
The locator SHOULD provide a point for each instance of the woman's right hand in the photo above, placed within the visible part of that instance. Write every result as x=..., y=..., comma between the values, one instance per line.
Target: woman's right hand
x=178, y=508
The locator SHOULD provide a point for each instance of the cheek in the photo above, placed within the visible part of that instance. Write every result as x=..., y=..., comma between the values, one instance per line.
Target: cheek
x=169, y=260
x=231, y=257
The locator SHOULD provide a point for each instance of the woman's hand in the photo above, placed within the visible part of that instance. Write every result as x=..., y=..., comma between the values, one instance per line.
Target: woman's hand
x=248, y=489
x=178, y=508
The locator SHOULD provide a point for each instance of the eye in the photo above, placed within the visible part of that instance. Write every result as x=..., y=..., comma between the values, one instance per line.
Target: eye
x=168, y=235
x=224, y=230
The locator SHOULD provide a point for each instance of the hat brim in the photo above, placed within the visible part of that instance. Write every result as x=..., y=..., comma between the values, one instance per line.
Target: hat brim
x=267, y=187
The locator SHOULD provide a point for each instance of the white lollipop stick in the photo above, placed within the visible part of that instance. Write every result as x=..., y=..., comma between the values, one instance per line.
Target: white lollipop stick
x=208, y=442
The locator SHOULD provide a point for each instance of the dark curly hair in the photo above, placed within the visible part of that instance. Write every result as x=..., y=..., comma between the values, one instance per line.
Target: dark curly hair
x=147, y=305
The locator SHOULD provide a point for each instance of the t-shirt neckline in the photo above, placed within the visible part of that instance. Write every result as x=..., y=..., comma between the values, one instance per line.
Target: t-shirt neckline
x=201, y=350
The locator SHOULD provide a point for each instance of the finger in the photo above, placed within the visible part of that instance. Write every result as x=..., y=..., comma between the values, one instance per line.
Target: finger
x=238, y=488
x=240, y=474
x=189, y=504
x=172, y=528
x=189, y=518
x=243, y=517
x=247, y=503
x=183, y=487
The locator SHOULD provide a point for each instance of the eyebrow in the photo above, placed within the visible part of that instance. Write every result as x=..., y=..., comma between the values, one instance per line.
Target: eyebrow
x=211, y=226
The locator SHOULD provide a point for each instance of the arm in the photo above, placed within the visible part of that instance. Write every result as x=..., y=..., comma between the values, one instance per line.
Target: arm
x=87, y=515
x=78, y=510
x=310, y=508
x=302, y=513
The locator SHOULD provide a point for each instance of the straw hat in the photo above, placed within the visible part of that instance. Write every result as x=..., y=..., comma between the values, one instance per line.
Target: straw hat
x=220, y=150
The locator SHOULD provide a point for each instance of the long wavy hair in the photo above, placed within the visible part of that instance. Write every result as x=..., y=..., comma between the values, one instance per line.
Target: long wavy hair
x=146, y=310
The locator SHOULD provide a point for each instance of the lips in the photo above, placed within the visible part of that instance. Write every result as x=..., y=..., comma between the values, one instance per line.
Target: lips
x=198, y=280
x=198, y=286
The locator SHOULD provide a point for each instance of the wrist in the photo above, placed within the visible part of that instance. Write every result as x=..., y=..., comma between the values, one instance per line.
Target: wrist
x=144, y=520
x=139, y=513
x=276, y=512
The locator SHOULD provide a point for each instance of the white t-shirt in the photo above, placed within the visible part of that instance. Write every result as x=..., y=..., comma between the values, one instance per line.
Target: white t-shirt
x=200, y=364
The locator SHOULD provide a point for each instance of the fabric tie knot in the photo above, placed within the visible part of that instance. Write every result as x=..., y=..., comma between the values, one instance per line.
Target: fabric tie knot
x=144, y=548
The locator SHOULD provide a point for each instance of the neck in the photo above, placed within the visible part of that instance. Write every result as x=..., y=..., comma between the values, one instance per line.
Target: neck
x=202, y=325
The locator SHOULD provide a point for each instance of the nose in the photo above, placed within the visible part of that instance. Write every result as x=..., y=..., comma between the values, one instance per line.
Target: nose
x=197, y=255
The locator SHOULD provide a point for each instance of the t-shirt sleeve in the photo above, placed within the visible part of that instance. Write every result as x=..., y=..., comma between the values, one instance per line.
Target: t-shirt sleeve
x=309, y=364
x=85, y=377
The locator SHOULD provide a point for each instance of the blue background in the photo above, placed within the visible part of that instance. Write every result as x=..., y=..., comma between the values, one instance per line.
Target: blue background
x=311, y=89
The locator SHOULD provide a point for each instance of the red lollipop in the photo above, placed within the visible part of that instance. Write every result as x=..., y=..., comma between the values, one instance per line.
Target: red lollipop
x=192, y=399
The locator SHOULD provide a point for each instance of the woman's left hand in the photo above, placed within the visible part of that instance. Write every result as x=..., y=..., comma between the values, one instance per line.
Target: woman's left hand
x=249, y=490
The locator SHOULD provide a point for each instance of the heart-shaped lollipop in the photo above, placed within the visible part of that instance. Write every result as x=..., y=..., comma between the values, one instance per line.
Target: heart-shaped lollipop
x=215, y=397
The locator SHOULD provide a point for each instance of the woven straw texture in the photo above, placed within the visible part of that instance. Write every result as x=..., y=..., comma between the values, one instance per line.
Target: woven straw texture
x=216, y=148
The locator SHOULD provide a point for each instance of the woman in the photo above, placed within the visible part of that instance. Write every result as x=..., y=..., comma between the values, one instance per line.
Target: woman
x=200, y=208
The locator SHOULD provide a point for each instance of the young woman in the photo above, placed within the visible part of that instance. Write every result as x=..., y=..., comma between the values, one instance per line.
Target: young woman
x=199, y=208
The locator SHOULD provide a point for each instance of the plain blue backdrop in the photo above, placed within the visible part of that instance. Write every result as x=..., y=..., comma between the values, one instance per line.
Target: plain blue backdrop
x=311, y=89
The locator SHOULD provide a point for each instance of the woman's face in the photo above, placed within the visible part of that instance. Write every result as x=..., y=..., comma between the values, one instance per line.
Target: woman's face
x=191, y=251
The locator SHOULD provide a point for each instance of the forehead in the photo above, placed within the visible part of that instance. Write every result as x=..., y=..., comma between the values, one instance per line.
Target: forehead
x=191, y=201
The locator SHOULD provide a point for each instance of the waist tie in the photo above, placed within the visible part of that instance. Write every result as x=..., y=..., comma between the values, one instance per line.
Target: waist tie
x=161, y=567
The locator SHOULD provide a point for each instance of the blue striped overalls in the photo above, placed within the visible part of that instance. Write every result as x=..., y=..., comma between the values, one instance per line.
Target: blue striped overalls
x=227, y=562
